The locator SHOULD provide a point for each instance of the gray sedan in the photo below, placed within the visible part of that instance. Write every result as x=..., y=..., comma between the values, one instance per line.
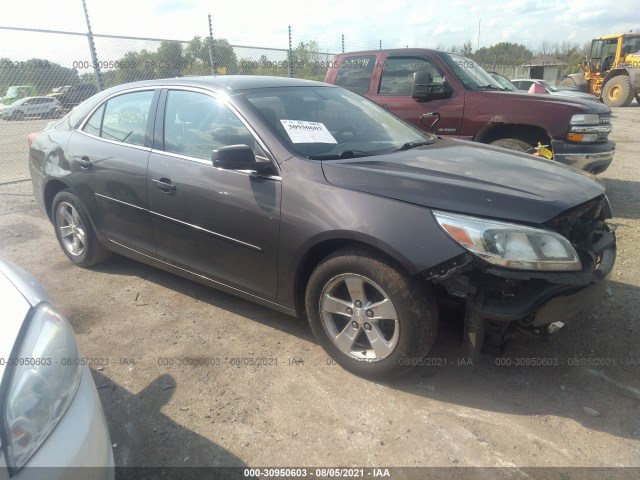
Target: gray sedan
x=314, y=201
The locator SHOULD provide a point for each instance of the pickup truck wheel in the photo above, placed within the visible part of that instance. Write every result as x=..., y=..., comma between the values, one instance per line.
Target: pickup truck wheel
x=371, y=318
x=74, y=231
x=513, y=144
x=617, y=92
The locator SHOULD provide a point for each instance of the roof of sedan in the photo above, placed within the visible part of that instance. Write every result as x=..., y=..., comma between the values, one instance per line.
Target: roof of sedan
x=232, y=82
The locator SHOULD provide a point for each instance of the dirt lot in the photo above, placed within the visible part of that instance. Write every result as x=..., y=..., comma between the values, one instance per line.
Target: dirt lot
x=175, y=364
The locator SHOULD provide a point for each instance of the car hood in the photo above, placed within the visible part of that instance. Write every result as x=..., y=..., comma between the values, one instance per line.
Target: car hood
x=470, y=178
x=574, y=94
x=583, y=103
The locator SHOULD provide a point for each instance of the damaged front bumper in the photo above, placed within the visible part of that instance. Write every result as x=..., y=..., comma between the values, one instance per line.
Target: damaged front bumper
x=531, y=298
x=538, y=301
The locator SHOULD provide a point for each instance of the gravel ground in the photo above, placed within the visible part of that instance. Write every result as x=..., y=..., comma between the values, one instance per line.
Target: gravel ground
x=176, y=367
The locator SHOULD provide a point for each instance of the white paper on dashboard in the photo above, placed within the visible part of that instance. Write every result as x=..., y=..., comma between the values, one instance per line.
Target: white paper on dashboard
x=300, y=131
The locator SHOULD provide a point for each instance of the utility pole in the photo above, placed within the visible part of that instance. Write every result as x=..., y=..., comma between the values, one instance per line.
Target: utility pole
x=212, y=53
x=290, y=55
x=92, y=49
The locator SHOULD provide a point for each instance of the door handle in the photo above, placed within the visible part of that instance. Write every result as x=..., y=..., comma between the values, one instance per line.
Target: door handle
x=85, y=163
x=164, y=185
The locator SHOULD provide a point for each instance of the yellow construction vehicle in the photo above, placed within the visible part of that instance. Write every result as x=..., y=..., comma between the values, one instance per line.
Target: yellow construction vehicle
x=612, y=71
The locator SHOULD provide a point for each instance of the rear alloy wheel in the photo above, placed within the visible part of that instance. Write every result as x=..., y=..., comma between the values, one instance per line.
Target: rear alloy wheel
x=617, y=92
x=513, y=144
x=74, y=231
x=371, y=318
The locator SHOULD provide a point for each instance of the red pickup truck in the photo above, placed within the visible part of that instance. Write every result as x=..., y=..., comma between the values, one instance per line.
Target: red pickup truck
x=426, y=86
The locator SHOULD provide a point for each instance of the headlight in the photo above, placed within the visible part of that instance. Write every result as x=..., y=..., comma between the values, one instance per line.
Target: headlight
x=585, y=119
x=510, y=245
x=46, y=376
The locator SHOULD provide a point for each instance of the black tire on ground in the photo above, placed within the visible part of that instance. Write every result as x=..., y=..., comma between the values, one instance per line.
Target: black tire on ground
x=617, y=92
x=513, y=144
x=568, y=82
x=75, y=232
x=356, y=299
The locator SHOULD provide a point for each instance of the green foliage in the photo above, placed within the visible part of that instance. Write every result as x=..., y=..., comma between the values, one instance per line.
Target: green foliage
x=44, y=75
x=306, y=62
x=173, y=59
x=503, y=54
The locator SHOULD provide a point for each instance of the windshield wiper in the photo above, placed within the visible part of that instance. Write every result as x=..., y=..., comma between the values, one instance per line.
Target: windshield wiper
x=343, y=154
x=410, y=145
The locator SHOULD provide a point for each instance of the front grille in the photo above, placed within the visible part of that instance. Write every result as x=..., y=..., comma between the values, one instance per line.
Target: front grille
x=604, y=119
x=603, y=135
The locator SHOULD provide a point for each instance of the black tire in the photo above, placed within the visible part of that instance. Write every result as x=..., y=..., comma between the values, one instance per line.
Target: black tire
x=568, y=82
x=617, y=92
x=406, y=338
x=513, y=144
x=74, y=231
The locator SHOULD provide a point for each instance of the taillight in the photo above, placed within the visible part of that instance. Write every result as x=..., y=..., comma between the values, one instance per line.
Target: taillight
x=31, y=138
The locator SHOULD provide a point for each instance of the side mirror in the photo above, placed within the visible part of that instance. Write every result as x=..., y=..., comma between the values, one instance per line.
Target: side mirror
x=238, y=157
x=423, y=88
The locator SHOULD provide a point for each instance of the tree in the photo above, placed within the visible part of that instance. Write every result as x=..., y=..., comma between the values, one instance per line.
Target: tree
x=466, y=49
x=170, y=60
x=503, y=54
x=41, y=73
x=199, y=62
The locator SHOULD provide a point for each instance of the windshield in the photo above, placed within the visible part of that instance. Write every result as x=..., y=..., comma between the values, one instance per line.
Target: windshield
x=504, y=82
x=328, y=122
x=470, y=74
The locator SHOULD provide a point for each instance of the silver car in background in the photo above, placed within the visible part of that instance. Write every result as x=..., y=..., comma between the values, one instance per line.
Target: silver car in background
x=51, y=416
x=43, y=107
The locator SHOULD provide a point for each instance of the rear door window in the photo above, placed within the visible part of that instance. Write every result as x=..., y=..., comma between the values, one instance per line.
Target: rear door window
x=125, y=117
x=355, y=73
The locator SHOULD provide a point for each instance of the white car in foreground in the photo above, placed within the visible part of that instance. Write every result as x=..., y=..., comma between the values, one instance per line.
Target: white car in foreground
x=51, y=415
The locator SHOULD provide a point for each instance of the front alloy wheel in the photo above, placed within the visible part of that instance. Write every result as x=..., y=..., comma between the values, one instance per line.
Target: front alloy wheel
x=359, y=317
x=369, y=315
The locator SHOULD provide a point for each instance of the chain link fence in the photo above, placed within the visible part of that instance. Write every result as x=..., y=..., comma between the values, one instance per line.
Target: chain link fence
x=45, y=73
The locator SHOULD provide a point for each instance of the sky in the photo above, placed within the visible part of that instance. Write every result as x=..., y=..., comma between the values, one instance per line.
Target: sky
x=364, y=23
